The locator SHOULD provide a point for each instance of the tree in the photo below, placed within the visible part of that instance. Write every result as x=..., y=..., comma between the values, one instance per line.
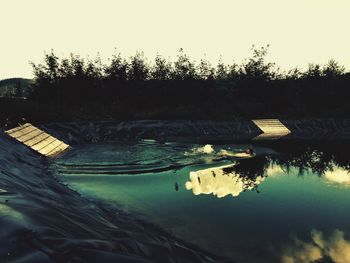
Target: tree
x=313, y=71
x=257, y=68
x=333, y=69
x=161, y=69
x=205, y=70
x=221, y=70
x=293, y=74
x=139, y=69
x=184, y=68
x=52, y=65
x=117, y=70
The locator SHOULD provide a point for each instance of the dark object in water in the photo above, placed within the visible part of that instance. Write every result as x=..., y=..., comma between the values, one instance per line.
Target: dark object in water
x=249, y=151
x=176, y=187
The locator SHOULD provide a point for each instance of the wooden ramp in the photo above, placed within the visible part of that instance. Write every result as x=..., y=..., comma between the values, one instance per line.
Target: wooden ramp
x=38, y=140
x=272, y=129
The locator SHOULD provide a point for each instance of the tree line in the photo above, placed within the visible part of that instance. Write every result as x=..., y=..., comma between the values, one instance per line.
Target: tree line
x=77, y=88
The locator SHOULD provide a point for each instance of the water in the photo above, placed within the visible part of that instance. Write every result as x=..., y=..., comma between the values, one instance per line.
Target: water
x=285, y=204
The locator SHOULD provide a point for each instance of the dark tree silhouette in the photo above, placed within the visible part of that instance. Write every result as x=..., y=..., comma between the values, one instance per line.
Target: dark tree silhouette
x=139, y=70
x=184, y=68
x=75, y=88
x=161, y=70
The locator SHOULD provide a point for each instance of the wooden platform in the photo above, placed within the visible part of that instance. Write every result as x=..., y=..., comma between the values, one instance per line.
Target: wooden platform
x=38, y=140
x=272, y=129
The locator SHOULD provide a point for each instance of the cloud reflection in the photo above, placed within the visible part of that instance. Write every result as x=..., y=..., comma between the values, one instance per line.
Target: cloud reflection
x=335, y=247
x=338, y=175
x=274, y=170
x=218, y=182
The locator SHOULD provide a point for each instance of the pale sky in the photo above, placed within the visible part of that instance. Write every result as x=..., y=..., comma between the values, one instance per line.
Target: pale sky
x=299, y=31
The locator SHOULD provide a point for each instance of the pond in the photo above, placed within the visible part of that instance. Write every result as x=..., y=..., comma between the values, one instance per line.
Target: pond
x=284, y=203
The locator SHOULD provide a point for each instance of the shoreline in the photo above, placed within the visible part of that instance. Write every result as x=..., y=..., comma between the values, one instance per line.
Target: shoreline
x=45, y=221
x=194, y=131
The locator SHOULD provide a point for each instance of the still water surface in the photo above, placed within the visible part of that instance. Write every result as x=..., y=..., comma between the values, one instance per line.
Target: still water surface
x=286, y=204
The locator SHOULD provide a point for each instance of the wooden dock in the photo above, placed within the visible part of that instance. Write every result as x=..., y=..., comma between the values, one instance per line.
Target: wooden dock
x=272, y=129
x=38, y=140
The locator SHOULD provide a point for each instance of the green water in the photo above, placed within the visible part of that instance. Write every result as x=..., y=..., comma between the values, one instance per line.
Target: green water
x=265, y=209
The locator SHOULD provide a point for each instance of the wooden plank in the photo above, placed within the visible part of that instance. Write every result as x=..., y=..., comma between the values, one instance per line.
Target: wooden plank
x=30, y=136
x=38, y=140
x=37, y=147
x=49, y=147
x=17, y=128
x=21, y=132
x=271, y=128
x=33, y=141
x=60, y=149
x=35, y=132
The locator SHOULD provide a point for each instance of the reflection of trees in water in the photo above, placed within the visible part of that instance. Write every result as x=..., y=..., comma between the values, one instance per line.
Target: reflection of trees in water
x=249, y=169
x=310, y=159
x=317, y=158
x=247, y=174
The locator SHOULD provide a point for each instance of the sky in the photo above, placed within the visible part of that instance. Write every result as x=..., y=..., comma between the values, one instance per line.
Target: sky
x=298, y=31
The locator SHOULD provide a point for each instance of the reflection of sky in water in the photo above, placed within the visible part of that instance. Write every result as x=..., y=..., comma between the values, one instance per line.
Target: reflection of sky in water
x=215, y=181
x=255, y=226
x=335, y=247
x=339, y=176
